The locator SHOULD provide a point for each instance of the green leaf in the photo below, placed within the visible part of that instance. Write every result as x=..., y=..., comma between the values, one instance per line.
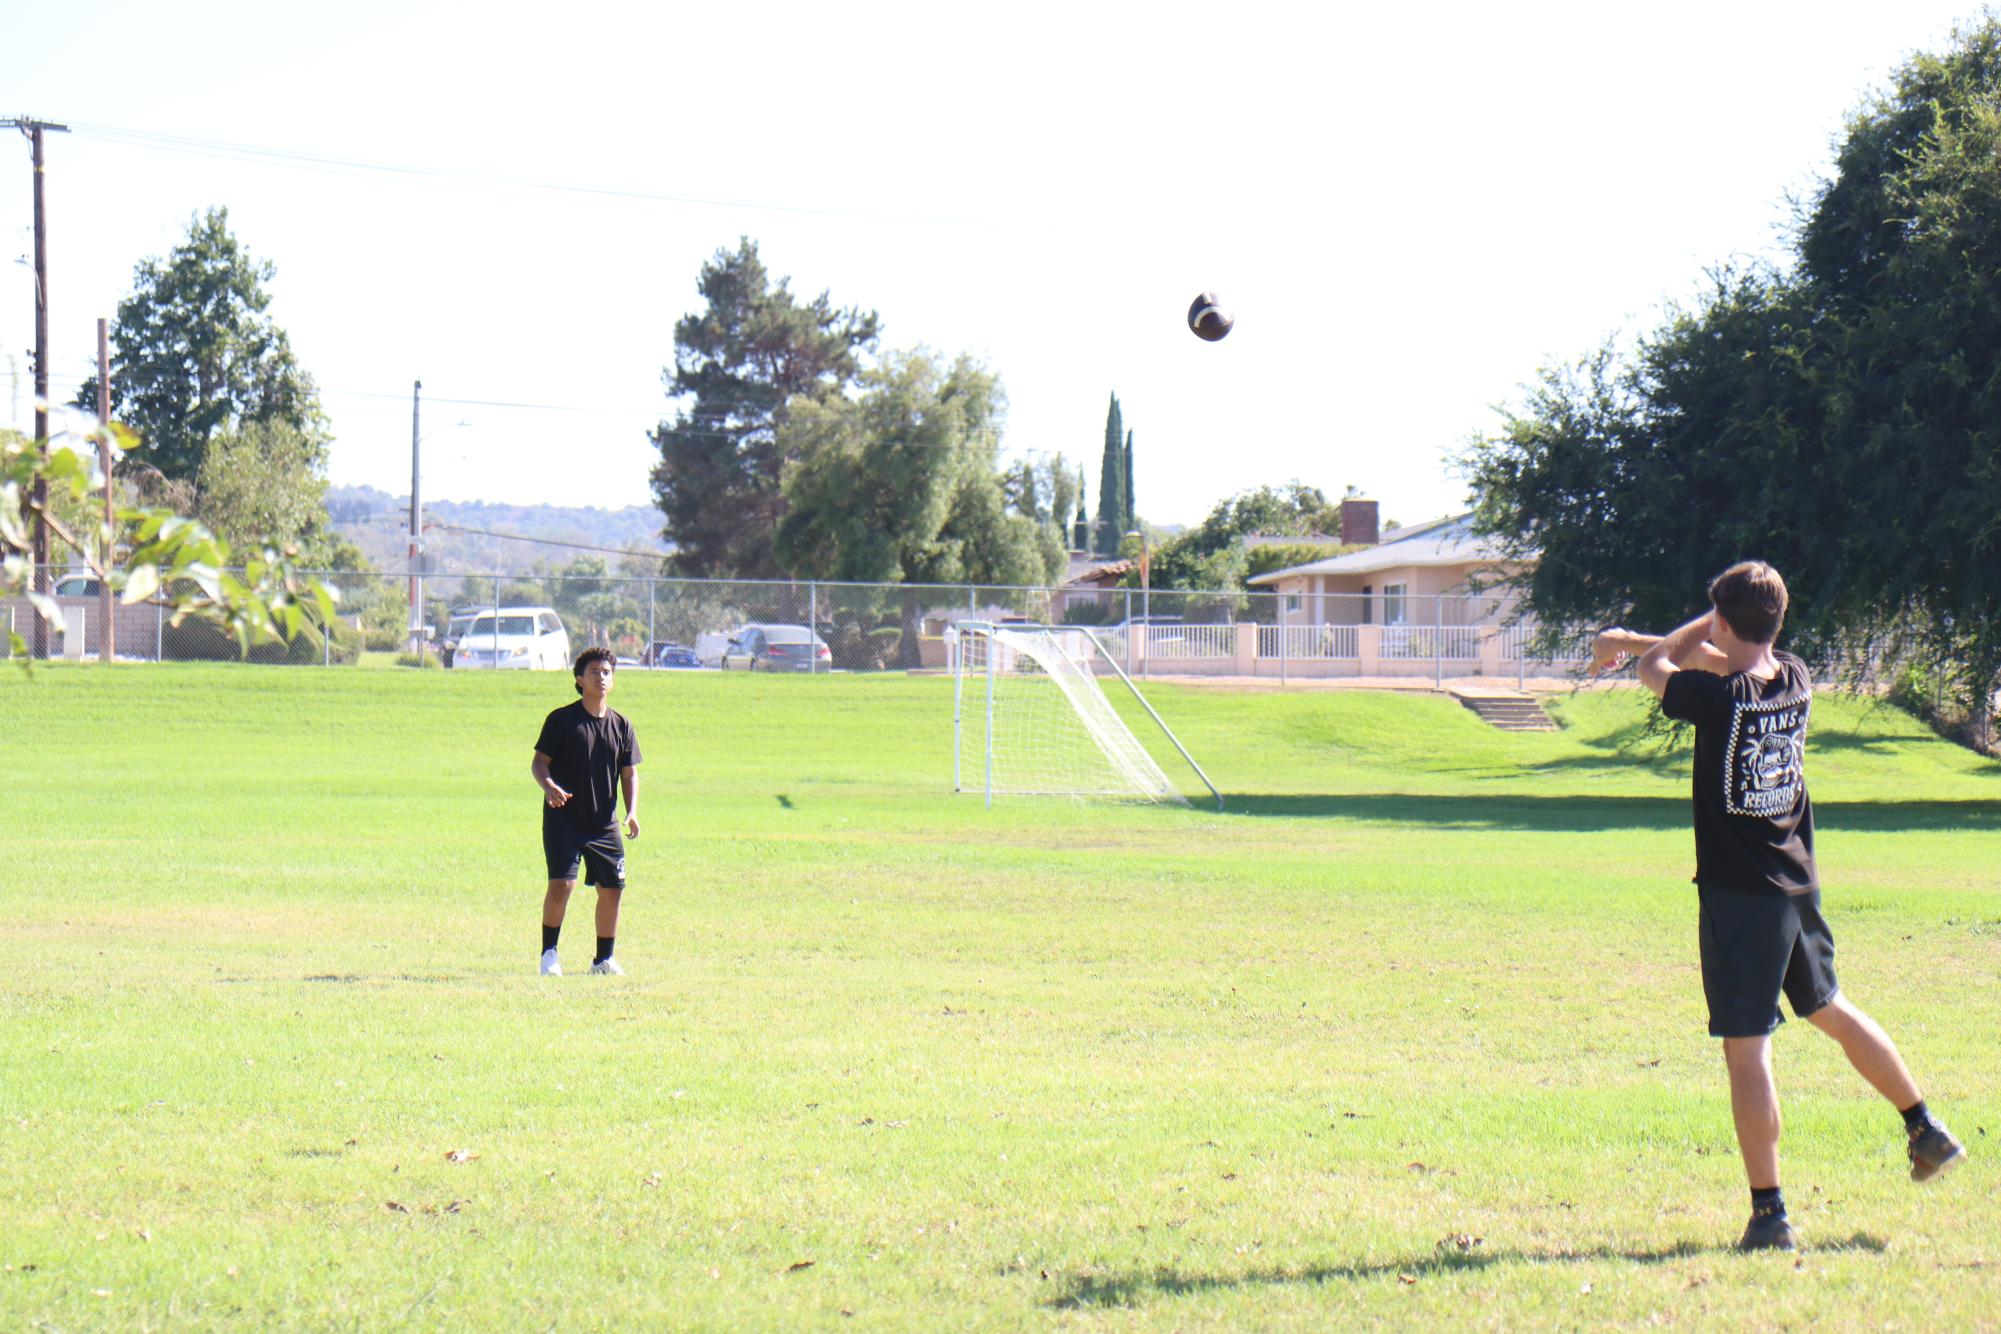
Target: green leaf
x=12, y=531
x=141, y=582
x=46, y=605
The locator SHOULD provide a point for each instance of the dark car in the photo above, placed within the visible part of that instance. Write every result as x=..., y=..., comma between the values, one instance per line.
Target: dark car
x=677, y=656
x=776, y=648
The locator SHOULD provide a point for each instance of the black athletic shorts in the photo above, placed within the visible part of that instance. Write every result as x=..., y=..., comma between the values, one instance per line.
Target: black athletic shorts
x=1753, y=947
x=602, y=853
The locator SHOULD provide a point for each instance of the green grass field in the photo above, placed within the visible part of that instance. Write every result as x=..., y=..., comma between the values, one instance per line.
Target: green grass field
x=1411, y=1035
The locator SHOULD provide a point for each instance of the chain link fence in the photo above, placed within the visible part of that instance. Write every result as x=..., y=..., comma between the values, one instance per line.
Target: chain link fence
x=541, y=621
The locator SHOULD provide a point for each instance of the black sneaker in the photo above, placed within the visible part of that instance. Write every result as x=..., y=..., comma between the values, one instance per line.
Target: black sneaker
x=1934, y=1151
x=1769, y=1231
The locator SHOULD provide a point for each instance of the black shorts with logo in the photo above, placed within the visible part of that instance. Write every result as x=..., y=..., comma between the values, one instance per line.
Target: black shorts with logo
x=602, y=852
x=1753, y=947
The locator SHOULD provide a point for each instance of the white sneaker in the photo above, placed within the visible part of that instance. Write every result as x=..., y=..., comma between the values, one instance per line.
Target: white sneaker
x=551, y=966
x=609, y=968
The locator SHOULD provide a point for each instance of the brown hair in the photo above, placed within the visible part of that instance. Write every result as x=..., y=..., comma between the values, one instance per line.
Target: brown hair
x=1751, y=599
x=596, y=653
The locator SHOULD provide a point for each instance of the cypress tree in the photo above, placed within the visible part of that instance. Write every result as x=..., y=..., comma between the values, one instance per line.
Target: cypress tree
x=1132, y=507
x=1080, y=528
x=1112, y=485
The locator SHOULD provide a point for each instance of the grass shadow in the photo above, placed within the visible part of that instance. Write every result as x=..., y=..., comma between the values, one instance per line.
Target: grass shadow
x=1575, y=815
x=1124, y=1290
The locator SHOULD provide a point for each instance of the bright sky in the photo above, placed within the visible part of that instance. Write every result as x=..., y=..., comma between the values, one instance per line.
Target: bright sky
x=1409, y=209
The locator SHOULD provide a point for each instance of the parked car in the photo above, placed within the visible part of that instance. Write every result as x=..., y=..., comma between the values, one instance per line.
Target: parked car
x=524, y=638
x=679, y=656
x=455, y=628
x=775, y=648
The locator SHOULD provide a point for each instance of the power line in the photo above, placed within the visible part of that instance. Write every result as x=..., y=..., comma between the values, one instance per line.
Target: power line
x=452, y=178
x=551, y=542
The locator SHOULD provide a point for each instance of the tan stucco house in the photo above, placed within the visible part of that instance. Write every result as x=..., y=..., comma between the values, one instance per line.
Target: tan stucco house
x=1435, y=573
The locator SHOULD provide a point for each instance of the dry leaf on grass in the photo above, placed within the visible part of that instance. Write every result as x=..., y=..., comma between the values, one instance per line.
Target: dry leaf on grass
x=798, y=1265
x=1407, y=1279
x=460, y=1156
x=395, y=1208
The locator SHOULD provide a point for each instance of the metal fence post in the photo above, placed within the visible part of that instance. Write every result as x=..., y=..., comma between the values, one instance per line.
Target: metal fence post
x=1438, y=640
x=812, y=628
x=159, y=633
x=1522, y=642
x=650, y=635
x=1129, y=631
x=1284, y=649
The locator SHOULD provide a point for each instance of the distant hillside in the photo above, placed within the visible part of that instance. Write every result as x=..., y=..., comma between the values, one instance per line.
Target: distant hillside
x=379, y=523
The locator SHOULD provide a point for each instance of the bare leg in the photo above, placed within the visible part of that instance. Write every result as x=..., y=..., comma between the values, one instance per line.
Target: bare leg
x=608, y=911
x=1868, y=1049
x=1754, y=1105
x=556, y=902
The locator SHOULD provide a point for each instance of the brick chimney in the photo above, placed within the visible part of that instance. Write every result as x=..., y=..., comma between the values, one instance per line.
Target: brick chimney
x=1358, y=523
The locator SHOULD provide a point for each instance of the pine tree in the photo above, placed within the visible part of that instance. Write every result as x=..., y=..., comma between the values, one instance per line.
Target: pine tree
x=1112, y=485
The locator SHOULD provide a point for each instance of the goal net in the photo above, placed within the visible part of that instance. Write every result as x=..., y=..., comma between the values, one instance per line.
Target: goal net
x=1031, y=719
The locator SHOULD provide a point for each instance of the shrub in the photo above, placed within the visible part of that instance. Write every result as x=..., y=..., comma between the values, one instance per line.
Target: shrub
x=1088, y=613
x=205, y=641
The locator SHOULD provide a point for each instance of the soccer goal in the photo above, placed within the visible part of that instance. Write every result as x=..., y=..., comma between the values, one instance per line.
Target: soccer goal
x=1029, y=718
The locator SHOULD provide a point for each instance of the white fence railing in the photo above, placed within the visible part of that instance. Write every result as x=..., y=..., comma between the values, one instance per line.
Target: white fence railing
x=1191, y=641
x=1308, y=643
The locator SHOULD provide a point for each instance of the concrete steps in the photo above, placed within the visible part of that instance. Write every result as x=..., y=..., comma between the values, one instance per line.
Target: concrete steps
x=1508, y=710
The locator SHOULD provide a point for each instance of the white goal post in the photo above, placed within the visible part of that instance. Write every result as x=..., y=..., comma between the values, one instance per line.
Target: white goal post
x=1029, y=718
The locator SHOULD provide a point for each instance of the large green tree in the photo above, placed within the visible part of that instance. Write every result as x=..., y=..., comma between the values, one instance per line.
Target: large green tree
x=195, y=351
x=1212, y=555
x=1112, y=484
x=262, y=483
x=1835, y=417
x=745, y=360
x=903, y=484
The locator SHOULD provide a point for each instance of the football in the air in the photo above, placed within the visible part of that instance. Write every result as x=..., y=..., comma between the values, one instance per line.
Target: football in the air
x=1208, y=318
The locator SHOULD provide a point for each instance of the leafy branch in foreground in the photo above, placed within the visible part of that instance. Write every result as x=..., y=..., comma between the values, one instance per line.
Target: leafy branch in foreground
x=175, y=562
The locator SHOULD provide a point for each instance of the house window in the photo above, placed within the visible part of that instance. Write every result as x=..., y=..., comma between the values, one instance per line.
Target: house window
x=1368, y=604
x=1291, y=602
x=1393, y=603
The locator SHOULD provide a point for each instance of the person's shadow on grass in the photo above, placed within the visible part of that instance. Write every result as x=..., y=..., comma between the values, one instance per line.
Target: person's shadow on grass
x=1132, y=1289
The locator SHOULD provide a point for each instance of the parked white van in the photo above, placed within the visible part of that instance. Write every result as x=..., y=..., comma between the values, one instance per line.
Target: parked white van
x=525, y=638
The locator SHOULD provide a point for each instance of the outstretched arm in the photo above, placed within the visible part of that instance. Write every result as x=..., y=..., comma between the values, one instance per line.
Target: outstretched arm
x=1679, y=650
x=1612, y=647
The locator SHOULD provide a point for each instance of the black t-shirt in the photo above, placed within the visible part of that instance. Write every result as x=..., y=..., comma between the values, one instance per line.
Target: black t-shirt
x=585, y=755
x=1753, y=821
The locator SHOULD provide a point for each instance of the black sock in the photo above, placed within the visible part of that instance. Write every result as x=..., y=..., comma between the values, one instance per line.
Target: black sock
x=549, y=934
x=604, y=949
x=1768, y=1201
x=1916, y=1115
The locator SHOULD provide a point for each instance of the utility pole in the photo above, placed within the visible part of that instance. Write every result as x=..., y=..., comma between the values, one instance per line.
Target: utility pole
x=416, y=533
x=107, y=617
x=38, y=554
